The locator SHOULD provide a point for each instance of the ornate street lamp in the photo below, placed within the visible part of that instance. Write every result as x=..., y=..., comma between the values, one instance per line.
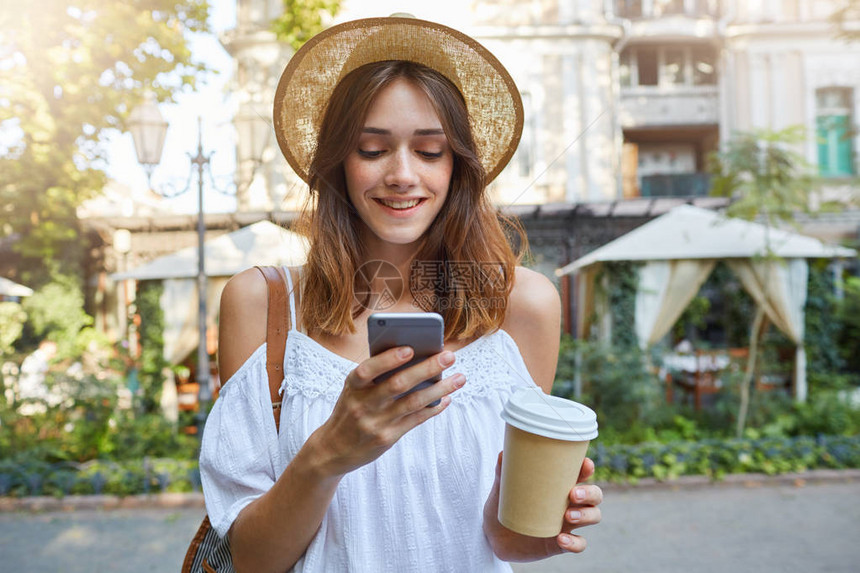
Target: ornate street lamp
x=148, y=129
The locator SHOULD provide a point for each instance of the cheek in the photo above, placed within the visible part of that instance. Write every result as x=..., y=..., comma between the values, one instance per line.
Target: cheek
x=442, y=180
x=356, y=176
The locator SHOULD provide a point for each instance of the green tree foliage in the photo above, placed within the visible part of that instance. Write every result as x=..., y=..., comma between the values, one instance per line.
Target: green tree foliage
x=615, y=383
x=56, y=312
x=70, y=71
x=12, y=319
x=303, y=19
x=768, y=179
x=846, y=17
x=765, y=174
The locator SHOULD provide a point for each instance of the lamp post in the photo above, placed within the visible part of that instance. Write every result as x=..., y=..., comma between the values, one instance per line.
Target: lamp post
x=149, y=129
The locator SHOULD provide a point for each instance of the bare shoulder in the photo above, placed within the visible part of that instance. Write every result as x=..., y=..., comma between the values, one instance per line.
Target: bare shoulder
x=242, y=321
x=533, y=293
x=533, y=320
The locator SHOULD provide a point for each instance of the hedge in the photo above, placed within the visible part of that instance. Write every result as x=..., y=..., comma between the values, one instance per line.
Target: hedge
x=716, y=458
x=614, y=463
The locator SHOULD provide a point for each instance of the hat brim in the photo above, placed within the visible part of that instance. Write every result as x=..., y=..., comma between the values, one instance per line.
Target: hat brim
x=492, y=99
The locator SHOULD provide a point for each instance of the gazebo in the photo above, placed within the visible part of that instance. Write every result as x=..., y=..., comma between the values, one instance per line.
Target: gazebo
x=263, y=243
x=679, y=250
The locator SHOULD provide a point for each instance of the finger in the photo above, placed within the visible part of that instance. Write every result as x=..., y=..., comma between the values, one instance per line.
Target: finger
x=571, y=543
x=419, y=399
x=586, y=495
x=410, y=421
x=426, y=369
x=582, y=516
x=369, y=370
x=586, y=471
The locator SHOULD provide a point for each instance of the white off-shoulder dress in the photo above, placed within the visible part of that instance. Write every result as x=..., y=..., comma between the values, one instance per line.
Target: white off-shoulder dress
x=417, y=508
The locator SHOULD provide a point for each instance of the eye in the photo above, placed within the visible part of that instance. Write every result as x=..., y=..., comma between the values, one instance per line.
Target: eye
x=369, y=153
x=430, y=155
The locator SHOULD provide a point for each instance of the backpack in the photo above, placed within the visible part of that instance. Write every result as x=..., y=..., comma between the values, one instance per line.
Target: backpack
x=207, y=552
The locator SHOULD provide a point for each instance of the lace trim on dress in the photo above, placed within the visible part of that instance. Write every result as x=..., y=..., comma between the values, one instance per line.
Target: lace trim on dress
x=489, y=364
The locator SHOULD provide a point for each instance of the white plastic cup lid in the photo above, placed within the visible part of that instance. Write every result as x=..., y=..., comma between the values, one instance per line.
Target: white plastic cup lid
x=533, y=411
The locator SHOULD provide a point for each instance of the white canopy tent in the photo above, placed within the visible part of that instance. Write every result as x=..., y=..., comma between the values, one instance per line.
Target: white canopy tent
x=11, y=288
x=680, y=249
x=263, y=243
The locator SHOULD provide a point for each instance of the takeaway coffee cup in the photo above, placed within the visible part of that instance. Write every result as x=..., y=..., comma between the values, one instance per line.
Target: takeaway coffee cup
x=546, y=438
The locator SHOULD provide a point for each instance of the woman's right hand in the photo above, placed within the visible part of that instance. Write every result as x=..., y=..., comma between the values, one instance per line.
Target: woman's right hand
x=369, y=417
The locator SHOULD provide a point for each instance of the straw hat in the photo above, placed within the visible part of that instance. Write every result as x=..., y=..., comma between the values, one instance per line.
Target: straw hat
x=492, y=98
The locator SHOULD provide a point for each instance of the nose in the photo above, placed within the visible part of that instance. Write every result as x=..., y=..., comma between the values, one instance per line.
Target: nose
x=401, y=172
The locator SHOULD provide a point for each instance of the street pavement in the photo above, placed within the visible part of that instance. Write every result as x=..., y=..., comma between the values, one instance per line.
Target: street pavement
x=803, y=527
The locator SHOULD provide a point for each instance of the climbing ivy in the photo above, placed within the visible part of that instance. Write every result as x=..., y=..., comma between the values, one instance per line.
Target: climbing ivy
x=822, y=325
x=623, y=280
x=151, y=343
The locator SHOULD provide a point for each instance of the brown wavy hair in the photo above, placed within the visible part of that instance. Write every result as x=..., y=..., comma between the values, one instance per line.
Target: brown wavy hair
x=468, y=245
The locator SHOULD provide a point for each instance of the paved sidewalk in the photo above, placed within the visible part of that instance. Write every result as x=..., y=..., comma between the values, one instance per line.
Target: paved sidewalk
x=739, y=527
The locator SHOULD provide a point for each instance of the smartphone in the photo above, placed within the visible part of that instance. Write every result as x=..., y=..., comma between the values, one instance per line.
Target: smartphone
x=423, y=331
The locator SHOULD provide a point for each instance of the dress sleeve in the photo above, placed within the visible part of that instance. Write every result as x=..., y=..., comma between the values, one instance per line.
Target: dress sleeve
x=239, y=451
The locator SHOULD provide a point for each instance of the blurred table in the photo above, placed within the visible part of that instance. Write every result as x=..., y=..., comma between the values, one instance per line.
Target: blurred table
x=698, y=373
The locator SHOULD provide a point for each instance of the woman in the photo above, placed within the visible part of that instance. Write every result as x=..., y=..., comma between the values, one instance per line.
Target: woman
x=397, y=125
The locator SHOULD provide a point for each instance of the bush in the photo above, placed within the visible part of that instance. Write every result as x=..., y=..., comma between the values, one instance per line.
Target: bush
x=23, y=476
x=12, y=319
x=137, y=436
x=716, y=458
x=87, y=424
x=616, y=383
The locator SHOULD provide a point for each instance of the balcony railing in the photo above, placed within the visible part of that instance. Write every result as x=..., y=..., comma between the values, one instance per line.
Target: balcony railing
x=635, y=9
x=676, y=185
x=646, y=107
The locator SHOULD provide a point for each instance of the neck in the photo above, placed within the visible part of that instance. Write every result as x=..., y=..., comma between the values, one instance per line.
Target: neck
x=400, y=257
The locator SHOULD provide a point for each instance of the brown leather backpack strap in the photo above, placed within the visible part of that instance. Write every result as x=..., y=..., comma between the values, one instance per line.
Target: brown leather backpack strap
x=277, y=326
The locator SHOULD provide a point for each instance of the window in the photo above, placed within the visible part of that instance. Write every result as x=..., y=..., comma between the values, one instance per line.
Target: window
x=673, y=67
x=659, y=8
x=706, y=7
x=525, y=156
x=629, y=8
x=625, y=69
x=704, y=67
x=668, y=66
x=646, y=63
x=667, y=7
x=834, y=131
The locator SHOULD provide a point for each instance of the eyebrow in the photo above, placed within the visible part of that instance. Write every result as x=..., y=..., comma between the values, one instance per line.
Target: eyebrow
x=420, y=132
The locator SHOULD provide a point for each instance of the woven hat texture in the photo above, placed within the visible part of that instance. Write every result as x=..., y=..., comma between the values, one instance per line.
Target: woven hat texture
x=492, y=98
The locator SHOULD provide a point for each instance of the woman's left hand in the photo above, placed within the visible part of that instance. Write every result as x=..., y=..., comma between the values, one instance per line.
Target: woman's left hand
x=582, y=510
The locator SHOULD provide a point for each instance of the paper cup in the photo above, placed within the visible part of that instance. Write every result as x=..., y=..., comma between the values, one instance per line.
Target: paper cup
x=546, y=438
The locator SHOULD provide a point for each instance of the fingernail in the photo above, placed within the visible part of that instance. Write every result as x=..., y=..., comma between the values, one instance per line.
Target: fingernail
x=579, y=494
x=574, y=515
x=404, y=352
x=566, y=540
x=459, y=380
x=447, y=358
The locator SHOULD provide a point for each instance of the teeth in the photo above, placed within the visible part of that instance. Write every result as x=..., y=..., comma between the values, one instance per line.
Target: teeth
x=399, y=204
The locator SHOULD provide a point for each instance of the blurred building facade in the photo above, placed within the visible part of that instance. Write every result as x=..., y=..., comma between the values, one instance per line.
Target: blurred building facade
x=623, y=99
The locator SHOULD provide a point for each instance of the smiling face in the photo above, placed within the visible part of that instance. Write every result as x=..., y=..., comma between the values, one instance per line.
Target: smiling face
x=398, y=175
